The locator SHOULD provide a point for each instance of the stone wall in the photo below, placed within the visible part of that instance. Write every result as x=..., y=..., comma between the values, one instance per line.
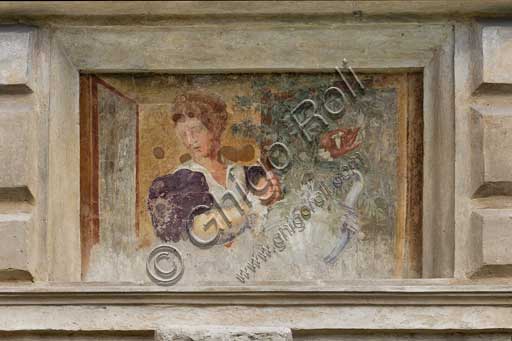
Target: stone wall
x=464, y=52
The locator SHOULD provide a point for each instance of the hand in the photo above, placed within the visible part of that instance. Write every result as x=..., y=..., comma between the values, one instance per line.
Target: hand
x=339, y=142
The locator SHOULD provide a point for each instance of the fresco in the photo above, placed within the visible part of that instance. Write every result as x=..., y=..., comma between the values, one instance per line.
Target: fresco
x=264, y=177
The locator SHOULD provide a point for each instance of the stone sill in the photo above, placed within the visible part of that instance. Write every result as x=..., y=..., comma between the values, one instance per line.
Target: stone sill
x=376, y=292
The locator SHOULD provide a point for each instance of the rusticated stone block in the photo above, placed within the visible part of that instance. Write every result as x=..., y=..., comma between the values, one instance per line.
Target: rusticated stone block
x=15, y=142
x=491, y=148
x=222, y=333
x=491, y=65
x=497, y=148
x=496, y=52
x=15, y=58
x=14, y=245
x=497, y=238
x=492, y=233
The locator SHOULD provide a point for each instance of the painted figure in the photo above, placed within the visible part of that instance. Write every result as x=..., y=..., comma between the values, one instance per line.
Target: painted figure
x=207, y=198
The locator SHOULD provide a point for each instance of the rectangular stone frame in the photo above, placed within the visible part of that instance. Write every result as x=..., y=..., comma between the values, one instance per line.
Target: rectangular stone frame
x=278, y=47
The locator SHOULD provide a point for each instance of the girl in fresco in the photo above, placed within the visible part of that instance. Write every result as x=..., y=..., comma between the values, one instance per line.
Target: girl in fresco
x=207, y=198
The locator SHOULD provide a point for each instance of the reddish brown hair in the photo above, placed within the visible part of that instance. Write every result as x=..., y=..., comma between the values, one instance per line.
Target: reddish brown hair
x=208, y=108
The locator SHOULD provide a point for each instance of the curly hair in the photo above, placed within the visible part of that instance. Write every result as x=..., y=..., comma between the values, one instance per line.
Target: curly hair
x=208, y=108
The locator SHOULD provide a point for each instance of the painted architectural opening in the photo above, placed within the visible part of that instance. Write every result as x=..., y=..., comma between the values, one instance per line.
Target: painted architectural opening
x=252, y=177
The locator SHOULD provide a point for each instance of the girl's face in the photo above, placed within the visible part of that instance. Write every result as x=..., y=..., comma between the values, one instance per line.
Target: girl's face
x=195, y=137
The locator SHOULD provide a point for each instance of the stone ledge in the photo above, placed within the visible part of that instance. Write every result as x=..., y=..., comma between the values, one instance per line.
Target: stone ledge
x=432, y=319
x=255, y=8
x=368, y=293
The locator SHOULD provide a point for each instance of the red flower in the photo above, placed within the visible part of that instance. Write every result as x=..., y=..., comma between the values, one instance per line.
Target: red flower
x=339, y=142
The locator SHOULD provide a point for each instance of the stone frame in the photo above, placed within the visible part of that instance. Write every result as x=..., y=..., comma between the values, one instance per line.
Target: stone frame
x=280, y=47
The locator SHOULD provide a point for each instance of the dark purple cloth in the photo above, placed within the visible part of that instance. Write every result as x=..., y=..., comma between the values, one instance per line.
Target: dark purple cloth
x=172, y=198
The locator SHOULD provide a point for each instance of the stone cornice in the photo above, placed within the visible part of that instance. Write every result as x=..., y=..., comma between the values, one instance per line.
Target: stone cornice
x=440, y=292
x=255, y=8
